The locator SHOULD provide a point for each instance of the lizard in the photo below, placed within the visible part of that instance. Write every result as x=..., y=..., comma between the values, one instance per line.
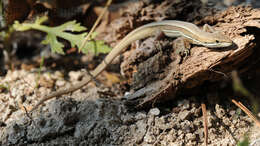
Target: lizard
x=170, y=28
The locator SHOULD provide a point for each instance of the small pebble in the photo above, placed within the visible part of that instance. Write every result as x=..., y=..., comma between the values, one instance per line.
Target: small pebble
x=191, y=136
x=140, y=116
x=184, y=115
x=220, y=112
x=149, y=138
x=184, y=104
x=75, y=75
x=154, y=112
x=60, y=83
x=57, y=75
x=232, y=112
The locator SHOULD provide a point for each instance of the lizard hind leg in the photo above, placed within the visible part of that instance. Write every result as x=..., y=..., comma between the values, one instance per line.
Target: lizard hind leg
x=154, y=41
x=159, y=35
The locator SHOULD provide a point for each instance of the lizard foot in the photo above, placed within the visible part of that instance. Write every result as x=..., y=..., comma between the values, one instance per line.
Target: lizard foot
x=182, y=48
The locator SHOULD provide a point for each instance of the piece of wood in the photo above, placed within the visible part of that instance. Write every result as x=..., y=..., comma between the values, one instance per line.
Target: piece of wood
x=202, y=65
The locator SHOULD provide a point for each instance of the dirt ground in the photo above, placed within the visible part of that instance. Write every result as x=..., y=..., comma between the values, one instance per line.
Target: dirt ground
x=99, y=113
x=90, y=117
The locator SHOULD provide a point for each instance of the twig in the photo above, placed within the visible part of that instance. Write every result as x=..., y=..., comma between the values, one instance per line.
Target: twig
x=95, y=25
x=219, y=72
x=205, y=122
x=247, y=111
x=29, y=116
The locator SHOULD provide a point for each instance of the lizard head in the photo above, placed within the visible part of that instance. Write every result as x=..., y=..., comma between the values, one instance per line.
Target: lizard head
x=217, y=40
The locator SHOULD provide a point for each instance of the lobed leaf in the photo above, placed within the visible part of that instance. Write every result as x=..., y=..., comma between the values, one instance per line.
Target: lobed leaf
x=64, y=31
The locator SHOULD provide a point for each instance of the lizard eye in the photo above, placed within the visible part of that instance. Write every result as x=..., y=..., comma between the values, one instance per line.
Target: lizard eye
x=217, y=41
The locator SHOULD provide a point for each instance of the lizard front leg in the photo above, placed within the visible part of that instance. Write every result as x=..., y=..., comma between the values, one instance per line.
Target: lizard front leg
x=182, y=48
x=208, y=28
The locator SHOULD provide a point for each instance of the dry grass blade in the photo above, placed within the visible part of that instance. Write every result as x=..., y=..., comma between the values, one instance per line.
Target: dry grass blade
x=95, y=25
x=250, y=114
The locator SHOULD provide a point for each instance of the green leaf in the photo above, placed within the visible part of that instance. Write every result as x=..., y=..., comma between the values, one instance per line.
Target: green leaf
x=64, y=31
x=71, y=26
x=96, y=47
x=55, y=45
x=40, y=20
x=21, y=27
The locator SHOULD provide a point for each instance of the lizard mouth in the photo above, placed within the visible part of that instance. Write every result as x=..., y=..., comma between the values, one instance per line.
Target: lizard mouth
x=218, y=45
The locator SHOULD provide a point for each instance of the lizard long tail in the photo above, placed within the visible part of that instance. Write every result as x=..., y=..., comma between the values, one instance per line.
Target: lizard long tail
x=139, y=33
